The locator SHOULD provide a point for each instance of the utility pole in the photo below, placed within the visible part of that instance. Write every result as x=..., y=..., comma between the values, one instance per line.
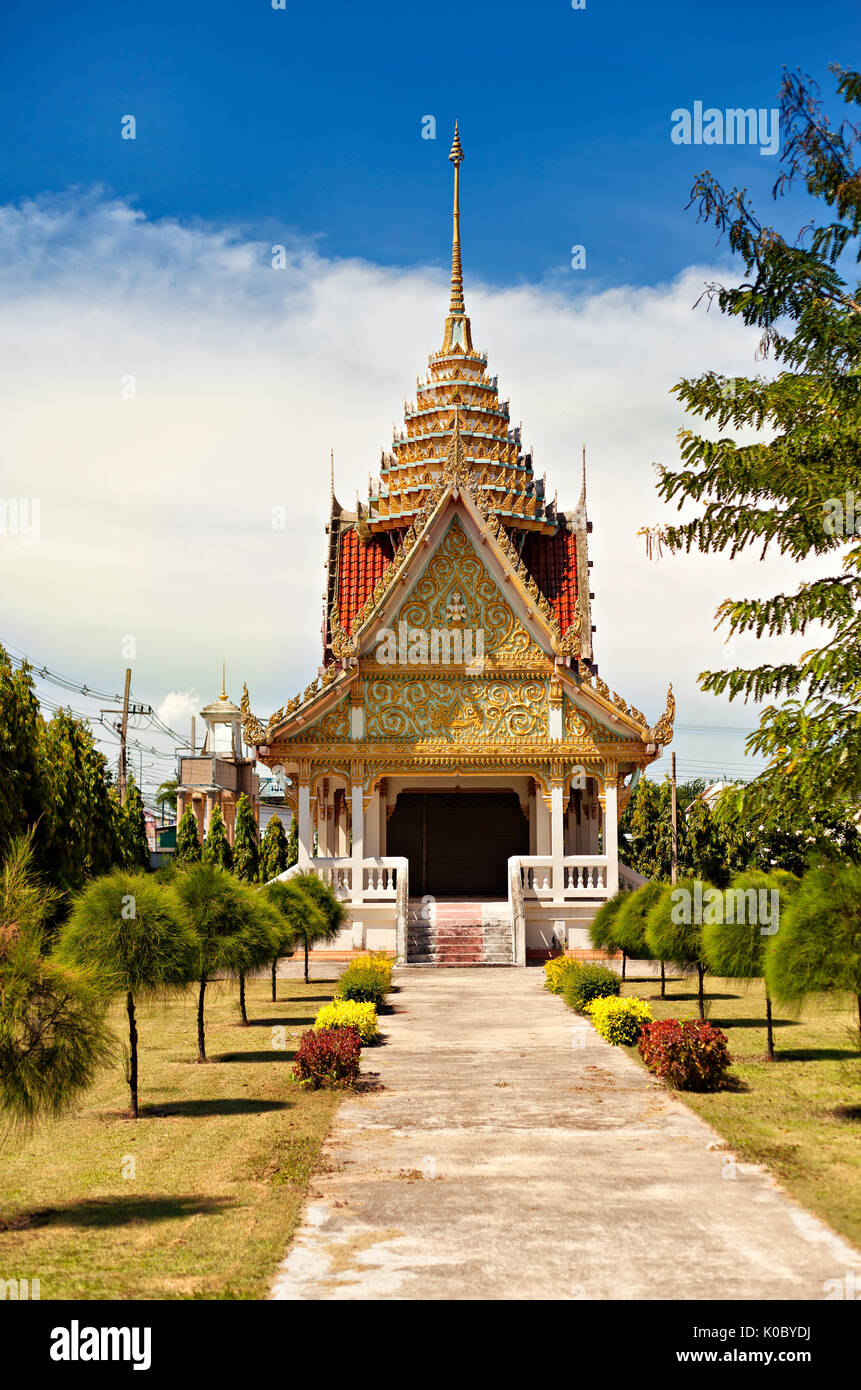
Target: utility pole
x=121, y=726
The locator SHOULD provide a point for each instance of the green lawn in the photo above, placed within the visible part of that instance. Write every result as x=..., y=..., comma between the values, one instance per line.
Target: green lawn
x=223, y=1154
x=799, y=1116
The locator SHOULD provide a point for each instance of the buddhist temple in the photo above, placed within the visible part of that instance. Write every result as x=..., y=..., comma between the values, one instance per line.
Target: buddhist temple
x=458, y=766
x=220, y=772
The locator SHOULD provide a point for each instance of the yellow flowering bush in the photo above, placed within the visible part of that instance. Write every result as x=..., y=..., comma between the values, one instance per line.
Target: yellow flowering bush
x=350, y=1013
x=618, y=1020
x=555, y=971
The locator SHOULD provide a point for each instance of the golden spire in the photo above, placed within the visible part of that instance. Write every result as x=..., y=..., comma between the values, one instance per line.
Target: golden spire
x=456, y=305
x=223, y=695
x=457, y=330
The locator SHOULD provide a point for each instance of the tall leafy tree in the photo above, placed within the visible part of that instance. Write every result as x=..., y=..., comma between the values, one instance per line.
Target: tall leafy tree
x=794, y=488
x=629, y=924
x=188, y=849
x=53, y=1035
x=293, y=843
x=312, y=928
x=674, y=934
x=301, y=919
x=79, y=835
x=246, y=853
x=216, y=846
x=214, y=905
x=125, y=931
x=133, y=837
x=166, y=794
x=21, y=773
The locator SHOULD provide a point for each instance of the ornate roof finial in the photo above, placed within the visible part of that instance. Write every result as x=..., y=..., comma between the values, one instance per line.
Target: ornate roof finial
x=456, y=305
x=223, y=695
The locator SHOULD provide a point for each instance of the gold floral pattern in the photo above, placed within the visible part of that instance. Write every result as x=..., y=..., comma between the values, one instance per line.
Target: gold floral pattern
x=418, y=710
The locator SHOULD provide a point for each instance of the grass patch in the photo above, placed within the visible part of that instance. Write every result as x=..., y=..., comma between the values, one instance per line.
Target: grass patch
x=223, y=1154
x=798, y=1116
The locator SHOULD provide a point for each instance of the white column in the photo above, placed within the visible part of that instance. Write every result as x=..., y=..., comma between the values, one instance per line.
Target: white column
x=557, y=845
x=357, y=794
x=306, y=840
x=372, y=845
x=611, y=837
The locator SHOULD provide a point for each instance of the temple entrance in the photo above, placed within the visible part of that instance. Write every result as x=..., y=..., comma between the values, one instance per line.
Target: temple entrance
x=458, y=843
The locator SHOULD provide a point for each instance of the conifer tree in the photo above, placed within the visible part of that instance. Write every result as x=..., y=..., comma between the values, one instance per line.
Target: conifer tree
x=187, y=839
x=273, y=850
x=293, y=843
x=246, y=854
x=216, y=846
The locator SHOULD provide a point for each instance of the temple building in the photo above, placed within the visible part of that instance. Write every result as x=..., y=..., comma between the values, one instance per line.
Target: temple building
x=459, y=768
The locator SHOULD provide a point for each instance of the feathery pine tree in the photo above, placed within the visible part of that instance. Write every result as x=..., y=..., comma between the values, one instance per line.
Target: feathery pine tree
x=273, y=850
x=53, y=1035
x=187, y=839
x=794, y=489
x=246, y=854
x=216, y=846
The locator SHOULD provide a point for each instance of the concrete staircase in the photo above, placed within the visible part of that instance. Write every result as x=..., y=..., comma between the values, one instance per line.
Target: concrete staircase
x=456, y=932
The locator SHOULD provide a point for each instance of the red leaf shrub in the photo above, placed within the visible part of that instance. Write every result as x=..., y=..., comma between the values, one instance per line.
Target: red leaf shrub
x=328, y=1057
x=690, y=1056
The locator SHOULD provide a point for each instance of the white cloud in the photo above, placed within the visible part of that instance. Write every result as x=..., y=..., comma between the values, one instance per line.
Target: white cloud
x=156, y=512
x=177, y=710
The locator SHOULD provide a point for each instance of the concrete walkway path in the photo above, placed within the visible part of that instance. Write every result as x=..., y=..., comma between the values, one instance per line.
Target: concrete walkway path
x=511, y=1153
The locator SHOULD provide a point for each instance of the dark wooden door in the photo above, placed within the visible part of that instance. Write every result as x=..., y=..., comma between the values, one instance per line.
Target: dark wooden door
x=458, y=843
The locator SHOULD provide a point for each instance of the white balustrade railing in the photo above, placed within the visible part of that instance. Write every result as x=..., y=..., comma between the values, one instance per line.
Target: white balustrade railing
x=380, y=876
x=582, y=876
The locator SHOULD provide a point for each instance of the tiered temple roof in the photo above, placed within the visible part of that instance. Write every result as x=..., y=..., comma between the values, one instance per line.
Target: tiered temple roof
x=457, y=386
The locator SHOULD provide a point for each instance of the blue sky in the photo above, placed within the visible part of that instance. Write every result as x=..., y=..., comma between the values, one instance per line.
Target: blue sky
x=308, y=121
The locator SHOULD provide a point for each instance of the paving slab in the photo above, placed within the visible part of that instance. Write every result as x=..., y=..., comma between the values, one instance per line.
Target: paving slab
x=510, y=1153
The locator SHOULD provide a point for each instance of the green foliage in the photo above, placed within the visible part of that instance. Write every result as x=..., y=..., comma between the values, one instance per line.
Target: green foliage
x=669, y=936
x=786, y=831
x=166, y=794
x=214, y=905
x=126, y=932
x=618, y=1021
x=132, y=829
x=22, y=793
x=273, y=850
x=629, y=927
x=555, y=971
x=188, y=849
x=818, y=946
x=362, y=982
x=783, y=490
x=736, y=950
x=293, y=843
x=601, y=928
x=53, y=1036
x=216, y=846
x=587, y=982
x=300, y=916
x=246, y=854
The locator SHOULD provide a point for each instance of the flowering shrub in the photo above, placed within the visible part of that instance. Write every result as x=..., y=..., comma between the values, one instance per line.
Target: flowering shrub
x=365, y=981
x=589, y=982
x=690, y=1056
x=618, y=1020
x=349, y=1013
x=328, y=1057
x=380, y=962
x=555, y=971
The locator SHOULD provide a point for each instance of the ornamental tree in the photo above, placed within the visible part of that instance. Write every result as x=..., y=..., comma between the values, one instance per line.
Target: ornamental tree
x=818, y=947
x=214, y=905
x=216, y=846
x=132, y=826
x=334, y=914
x=187, y=839
x=273, y=850
x=53, y=1035
x=792, y=488
x=301, y=918
x=673, y=932
x=737, y=949
x=629, y=925
x=124, y=930
x=246, y=854
x=601, y=928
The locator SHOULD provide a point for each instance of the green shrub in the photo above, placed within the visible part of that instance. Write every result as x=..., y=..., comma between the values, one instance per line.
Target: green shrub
x=589, y=982
x=619, y=1021
x=364, y=982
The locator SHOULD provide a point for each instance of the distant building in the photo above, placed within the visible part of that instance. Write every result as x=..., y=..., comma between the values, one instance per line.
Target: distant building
x=219, y=773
